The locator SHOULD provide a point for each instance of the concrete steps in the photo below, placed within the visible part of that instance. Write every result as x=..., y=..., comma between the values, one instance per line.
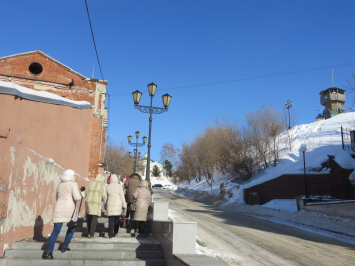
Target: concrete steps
x=88, y=254
x=105, y=234
x=126, y=249
x=90, y=246
x=83, y=262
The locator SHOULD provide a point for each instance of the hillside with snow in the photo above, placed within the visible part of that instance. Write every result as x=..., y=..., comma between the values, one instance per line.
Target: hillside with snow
x=321, y=138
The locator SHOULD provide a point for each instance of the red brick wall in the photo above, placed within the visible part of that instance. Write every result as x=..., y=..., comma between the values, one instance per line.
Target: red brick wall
x=53, y=71
x=95, y=146
x=290, y=186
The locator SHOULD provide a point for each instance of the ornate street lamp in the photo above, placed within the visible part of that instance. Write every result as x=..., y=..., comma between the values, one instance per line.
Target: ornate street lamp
x=135, y=156
x=303, y=149
x=150, y=110
x=288, y=106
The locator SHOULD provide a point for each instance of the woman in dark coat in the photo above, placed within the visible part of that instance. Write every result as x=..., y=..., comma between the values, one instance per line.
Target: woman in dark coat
x=131, y=186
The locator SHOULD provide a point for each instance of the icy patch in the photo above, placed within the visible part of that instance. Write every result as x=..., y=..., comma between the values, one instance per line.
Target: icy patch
x=230, y=259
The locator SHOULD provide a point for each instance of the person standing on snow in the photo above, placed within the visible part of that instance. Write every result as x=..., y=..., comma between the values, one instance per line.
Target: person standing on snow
x=95, y=194
x=64, y=211
x=115, y=205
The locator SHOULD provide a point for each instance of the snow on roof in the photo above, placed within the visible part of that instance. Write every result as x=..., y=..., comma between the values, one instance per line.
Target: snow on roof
x=345, y=160
x=40, y=96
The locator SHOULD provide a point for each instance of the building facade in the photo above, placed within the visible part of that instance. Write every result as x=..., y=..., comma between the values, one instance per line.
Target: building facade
x=38, y=71
x=41, y=135
x=142, y=166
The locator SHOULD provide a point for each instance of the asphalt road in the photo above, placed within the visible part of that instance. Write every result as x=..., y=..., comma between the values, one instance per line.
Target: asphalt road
x=245, y=240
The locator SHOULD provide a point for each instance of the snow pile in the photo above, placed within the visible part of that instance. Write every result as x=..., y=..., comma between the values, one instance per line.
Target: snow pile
x=203, y=249
x=283, y=204
x=320, y=138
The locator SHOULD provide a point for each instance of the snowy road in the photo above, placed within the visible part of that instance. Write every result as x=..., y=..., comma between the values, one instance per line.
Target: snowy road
x=245, y=240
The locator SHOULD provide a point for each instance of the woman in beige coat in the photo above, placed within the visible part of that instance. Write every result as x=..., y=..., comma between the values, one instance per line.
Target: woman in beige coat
x=142, y=195
x=115, y=204
x=96, y=193
x=64, y=210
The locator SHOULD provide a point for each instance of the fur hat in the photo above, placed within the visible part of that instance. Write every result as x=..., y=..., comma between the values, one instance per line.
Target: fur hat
x=68, y=175
x=140, y=177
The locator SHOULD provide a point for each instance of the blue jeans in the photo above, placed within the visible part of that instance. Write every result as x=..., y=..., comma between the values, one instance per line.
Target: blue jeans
x=54, y=236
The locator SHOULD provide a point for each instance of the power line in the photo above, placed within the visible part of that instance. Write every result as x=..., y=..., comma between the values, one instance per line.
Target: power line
x=102, y=76
x=243, y=79
x=93, y=39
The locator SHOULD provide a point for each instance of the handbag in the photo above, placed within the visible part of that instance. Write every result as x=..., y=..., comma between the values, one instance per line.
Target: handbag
x=133, y=206
x=123, y=222
x=73, y=223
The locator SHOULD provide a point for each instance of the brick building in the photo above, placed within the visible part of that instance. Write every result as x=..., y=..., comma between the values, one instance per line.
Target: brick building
x=38, y=71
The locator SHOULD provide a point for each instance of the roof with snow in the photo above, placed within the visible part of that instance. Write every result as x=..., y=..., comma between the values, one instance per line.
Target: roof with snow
x=345, y=160
x=40, y=96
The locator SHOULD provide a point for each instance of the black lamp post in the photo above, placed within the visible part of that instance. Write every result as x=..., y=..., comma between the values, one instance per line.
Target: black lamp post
x=288, y=106
x=135, y=156
x=303, y=149
x=150, y=110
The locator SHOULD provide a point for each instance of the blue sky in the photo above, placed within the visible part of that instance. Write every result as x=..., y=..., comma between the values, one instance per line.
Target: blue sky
x=216, y=58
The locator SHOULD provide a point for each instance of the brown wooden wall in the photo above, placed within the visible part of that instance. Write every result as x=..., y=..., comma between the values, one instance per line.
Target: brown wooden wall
x=290, y=186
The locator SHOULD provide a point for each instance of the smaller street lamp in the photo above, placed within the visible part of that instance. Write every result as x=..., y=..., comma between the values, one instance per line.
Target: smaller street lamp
x=288, y=106
x=135, y=155
x=303, y=150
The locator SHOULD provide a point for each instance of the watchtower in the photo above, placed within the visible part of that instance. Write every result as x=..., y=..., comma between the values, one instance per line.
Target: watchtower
x=332, y=99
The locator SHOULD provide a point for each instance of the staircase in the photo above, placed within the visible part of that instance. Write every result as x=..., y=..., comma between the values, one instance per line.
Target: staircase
x=126, y=249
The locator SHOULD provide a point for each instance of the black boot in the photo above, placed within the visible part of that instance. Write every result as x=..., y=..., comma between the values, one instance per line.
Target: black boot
x=47, y=255
x=65, y=249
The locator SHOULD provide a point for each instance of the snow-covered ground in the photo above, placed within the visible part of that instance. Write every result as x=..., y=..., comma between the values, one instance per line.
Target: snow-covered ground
x=164, y=181
x=321, y=138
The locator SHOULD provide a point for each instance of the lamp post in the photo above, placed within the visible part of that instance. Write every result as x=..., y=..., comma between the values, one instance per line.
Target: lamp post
x=135, y=157
x=303, y=149
x=150, y=110
x=288, y=106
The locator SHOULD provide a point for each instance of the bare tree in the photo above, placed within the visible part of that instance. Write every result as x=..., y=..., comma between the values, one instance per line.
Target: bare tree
x=169, y=152
x=226, y=147
x=261, y=130
x=117, y=160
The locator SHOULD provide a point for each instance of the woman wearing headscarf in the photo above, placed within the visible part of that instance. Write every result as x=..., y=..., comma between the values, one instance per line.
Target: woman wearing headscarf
x=115, y=204
x=131, y=186
x=142, y=195
x=95, y=194
x=64, y=211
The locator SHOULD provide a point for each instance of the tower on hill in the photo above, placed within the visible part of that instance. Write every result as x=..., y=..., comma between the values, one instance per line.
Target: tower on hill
x=332, y=99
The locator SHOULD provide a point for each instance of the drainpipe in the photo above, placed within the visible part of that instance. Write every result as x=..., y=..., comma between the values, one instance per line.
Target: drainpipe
x=102, y=127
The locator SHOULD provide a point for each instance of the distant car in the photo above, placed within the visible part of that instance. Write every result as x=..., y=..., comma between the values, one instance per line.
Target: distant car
x=157, y=186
